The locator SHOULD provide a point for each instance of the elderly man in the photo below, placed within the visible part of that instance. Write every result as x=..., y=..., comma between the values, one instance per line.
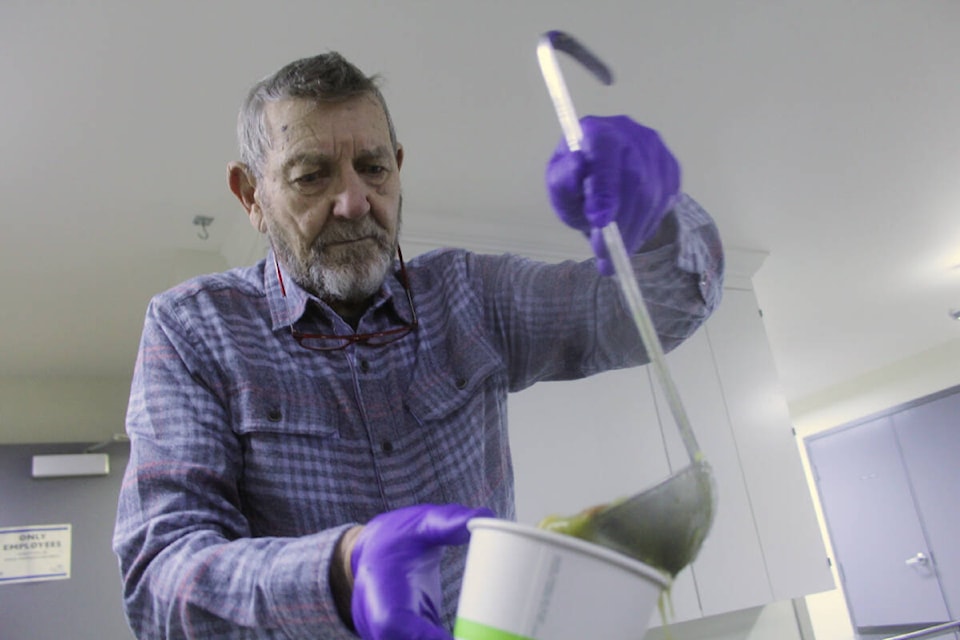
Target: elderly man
x=310, y=435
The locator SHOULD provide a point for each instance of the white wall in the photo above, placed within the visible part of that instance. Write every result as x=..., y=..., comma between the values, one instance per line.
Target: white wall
x=62, y=409
x=89, y=408
x=901, y=382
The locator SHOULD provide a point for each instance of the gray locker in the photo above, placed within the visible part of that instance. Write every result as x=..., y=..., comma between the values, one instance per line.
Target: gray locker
x=889, y=486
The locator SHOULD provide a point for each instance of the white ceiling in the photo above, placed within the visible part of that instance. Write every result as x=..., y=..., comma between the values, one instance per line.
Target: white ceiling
x=823, y=133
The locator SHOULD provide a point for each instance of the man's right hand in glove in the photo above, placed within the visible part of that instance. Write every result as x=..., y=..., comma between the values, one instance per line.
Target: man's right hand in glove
x=624, y=173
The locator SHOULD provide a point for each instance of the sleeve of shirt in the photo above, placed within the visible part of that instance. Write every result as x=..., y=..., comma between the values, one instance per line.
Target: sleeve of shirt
x=565, y=321
x=190, y=568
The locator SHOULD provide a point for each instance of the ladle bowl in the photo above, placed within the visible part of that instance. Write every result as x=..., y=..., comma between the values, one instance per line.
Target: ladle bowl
x=664, y=526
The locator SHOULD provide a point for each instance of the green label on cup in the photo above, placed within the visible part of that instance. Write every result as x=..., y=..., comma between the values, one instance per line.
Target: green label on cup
x=470, y=630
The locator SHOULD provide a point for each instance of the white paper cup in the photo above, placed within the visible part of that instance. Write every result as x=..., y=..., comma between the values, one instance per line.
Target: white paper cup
x=524, y=583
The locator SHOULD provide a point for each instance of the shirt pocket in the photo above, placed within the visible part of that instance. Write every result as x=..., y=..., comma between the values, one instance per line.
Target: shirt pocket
x=459, y=407
x=442, y=387
x=285, y=403
x=290, y=445
x=275, y=416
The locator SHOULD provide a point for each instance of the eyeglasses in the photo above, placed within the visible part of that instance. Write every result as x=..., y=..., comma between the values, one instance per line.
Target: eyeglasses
x=333, y=342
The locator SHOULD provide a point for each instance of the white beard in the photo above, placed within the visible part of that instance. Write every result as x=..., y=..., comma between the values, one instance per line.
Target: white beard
x=350, y=273
x=351, y=280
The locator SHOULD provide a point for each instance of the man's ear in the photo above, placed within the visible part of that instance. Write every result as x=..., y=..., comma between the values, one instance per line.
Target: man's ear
x=399, y=156
x=244, y=185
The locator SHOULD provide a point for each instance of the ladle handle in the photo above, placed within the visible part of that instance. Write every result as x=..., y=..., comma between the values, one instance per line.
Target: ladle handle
x=648, y=335
x=570, y=124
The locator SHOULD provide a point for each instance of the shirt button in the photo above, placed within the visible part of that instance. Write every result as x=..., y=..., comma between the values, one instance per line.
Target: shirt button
x=364, y=366
x=461, y=383
x=386, y=446
x=275, y=415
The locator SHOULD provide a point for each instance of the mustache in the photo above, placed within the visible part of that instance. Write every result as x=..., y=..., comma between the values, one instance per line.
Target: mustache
x=340, y=232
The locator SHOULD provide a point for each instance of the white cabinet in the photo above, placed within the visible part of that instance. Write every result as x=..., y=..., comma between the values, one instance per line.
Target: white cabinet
x=729, y=573
x=780, y=500
x=580, y=443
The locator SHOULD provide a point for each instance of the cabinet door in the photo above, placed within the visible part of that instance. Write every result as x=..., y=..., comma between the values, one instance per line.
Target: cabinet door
x=874, y=527
x=587, y=442
x=729, y=573
x=793, y=550
x=929, y=439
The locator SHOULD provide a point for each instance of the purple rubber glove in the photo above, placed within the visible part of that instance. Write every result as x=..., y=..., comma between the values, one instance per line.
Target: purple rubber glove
x=623, y=172
x=396, y=569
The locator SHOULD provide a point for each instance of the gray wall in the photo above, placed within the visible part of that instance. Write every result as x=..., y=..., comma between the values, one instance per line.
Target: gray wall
x=88, y=605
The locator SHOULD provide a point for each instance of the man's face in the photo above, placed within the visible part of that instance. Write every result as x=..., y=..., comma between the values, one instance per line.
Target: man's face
x=330, y=194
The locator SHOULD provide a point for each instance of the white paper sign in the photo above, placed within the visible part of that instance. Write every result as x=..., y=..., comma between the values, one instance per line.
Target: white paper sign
x=32, y=554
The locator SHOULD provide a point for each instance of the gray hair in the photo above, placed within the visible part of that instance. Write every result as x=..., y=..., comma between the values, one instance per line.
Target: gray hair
x=327, y=77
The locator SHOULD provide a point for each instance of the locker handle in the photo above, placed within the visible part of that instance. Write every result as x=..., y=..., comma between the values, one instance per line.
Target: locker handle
x=921, y=559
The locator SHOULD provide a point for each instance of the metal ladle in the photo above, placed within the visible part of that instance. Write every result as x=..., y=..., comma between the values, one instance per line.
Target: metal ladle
x=663, y=526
